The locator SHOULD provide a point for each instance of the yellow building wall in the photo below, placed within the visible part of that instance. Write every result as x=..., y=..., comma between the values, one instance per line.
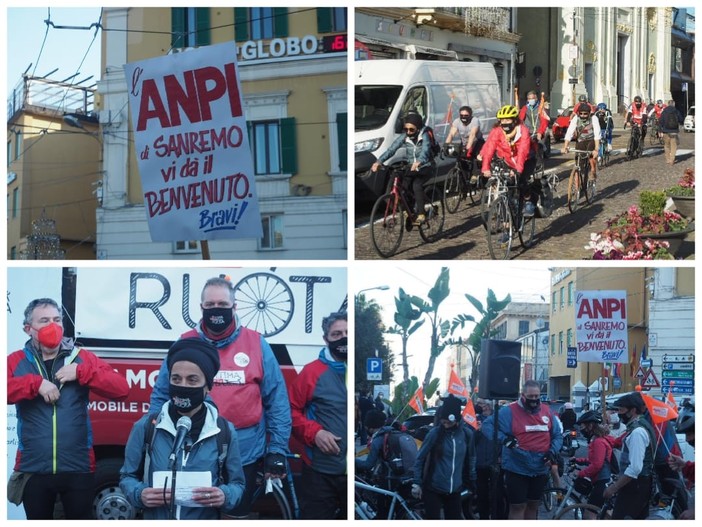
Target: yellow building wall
x=686, y=281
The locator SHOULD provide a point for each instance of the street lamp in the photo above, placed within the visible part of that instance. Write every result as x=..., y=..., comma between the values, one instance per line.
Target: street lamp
x=379, y=287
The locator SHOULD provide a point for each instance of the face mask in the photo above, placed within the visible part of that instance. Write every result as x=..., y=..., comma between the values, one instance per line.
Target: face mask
x=508, y=127
x=531, y=404
x=339, y=347
x=478, y=410
x=217, y=319
x=638, y=105
x=186, y=398
x=586, y=434
x=465, y=120
x=625, y=418
x=50, y=336
x=531, y=102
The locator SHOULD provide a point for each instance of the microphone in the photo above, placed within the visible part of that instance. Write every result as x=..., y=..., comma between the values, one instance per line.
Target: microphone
x=182, y=428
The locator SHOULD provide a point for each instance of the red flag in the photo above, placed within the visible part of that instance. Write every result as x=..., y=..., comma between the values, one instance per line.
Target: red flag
x=417, y=401
x=469, y=415
x=671, y=401
x=449, y=111
x=456, y=386
x=660, y=411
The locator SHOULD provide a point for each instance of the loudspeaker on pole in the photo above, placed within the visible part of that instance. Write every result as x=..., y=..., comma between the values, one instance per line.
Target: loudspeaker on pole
x=500, y=362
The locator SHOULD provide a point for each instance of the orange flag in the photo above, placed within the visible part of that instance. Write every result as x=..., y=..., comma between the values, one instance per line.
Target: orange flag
x=671, y=401
x=660, y=411
x=457, y=387
x=469, y=415
x=417, y=401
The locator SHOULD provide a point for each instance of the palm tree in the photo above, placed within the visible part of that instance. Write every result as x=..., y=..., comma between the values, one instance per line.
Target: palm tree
x=407, y=312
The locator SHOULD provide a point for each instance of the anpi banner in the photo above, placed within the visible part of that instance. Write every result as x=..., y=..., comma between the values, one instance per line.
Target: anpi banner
x=192, y=145
x=601, y=326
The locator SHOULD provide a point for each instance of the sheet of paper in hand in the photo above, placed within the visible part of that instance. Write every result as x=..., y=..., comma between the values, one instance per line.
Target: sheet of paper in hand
x=185, y=483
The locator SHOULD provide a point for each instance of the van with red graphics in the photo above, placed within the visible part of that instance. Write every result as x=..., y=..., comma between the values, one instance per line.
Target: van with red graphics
x=130, y=317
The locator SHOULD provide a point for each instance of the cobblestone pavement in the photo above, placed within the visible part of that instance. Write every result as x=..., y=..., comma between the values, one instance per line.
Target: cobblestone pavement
x=563, y=235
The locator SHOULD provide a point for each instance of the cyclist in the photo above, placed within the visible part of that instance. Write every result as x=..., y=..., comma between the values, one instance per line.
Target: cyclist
x=586, y=130
x=657, y=110
x=535, y=120
x=417, y=144
x=604, y=116
x=599, y=457
x=511, y=141
x=468, y=129
x=637, y=116
x=633, y=487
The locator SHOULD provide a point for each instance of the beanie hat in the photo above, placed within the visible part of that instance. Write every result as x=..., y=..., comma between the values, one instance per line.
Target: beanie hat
x=414, y=119
x=197, y=351
x=450, y=409
x=629, y=401
x=375, y=419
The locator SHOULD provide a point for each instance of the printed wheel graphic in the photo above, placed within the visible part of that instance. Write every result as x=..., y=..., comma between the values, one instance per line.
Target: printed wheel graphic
x=264, y=303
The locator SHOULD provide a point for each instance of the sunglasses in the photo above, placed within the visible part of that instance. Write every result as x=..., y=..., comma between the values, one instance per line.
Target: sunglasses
x=410, y=129
x=584, y=114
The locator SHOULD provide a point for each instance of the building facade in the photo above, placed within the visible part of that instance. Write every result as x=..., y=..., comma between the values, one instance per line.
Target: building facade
x=53, y=171
x=292, y=66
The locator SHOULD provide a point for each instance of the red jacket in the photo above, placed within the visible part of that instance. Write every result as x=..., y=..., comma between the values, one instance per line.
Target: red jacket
x=598, y=451
x=514, y=153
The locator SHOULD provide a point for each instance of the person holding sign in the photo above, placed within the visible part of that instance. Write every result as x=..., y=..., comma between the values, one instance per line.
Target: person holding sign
x=211, y=477
x=49, y=381
x=250, y=391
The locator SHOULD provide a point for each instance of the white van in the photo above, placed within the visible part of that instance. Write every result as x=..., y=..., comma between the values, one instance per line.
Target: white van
x=386, y=90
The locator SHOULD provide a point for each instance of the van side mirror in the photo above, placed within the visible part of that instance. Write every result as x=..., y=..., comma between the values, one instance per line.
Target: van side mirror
x=398, y=125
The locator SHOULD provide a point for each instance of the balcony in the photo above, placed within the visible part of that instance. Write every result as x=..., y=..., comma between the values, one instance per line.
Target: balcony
x=43, y=96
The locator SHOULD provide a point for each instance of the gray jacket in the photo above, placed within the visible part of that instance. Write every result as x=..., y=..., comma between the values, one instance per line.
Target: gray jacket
x=454, y=469
x=419, y=151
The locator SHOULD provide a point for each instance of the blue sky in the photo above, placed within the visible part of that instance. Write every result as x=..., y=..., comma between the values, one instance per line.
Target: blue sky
x=63, y=49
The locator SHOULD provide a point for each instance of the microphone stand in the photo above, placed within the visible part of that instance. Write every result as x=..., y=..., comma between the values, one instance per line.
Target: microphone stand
x=174, y=469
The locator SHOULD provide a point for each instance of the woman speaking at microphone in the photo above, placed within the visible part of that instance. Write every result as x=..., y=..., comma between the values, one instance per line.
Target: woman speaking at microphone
x=189, y=434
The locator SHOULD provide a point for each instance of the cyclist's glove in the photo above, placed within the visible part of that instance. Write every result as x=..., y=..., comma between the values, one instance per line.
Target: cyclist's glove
x=511, y=442
x=274, y=464
x=550, y=457
x=416, y=491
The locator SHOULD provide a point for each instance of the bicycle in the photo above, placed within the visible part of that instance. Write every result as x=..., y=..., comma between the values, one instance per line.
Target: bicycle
x=370, y=500
x=493, y=187
x=394, y=212
x=635, y=147
x=603, y=152
x=579, y=183
x=271, y=498
x=457, y=186
x=654, y=137
x=504, y=214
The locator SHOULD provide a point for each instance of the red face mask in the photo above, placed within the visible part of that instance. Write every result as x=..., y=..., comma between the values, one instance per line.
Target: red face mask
x=50, y=336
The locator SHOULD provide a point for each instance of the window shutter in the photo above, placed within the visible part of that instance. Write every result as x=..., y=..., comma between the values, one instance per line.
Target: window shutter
x=288, y=145
x=324, y=20
x=241, y=24
x=177, y=27
x=202, y=23
x=341, y=130
x=280, y=22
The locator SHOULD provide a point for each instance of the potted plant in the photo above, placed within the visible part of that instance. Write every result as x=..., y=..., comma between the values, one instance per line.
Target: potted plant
x=683, y=194
x=642, y=232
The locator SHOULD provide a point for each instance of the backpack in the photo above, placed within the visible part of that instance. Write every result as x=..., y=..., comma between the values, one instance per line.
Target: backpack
x=434, y=146
x=399, y=451
x=223, y=440
x=671, y=121
x=613, y=464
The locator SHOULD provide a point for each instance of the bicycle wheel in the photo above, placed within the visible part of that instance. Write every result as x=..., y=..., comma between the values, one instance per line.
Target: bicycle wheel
x=553, y=184
x=387, y=224
x=552, y=500
x=527, y=232
x=265, y=303
x=574, y=189
x=630, y=148
x=499, y=229
x=274, y=505
x=577, y=511
x=452, y=190
x=590, y=190
x=490, y=192
x=431, y=229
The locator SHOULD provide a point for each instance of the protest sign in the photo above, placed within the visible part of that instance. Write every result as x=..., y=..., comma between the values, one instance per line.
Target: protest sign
x=601, y=326
x=192, y=145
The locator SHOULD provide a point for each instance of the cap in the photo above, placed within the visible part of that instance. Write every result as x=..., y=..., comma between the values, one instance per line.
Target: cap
x=629, y=401
x=197, y=351
x=568, y=406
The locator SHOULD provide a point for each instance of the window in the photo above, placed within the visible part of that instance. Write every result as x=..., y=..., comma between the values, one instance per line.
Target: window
x=331, y=19
x=13, y=253
x=553, y=302
x=190, y=26
x=185, y=247
x=266, y=147
x=562, y=298
x=523, y=327
x=15, y=202
x=571, y=292
x=342, y=133
x=272, y=231
x=569, y=338
x=260, y=23
x=553, y=344
x=560, y=343
x=9, y=153
x=501, y=331
x=344, y=220
x=18, y=145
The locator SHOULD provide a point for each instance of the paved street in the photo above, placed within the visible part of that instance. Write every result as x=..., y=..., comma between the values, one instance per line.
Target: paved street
x=563, y=235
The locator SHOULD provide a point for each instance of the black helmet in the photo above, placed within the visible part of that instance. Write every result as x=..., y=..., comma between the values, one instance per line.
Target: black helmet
x=637, y=98
x=591, y=416
x=582, y=98
x=686, y=419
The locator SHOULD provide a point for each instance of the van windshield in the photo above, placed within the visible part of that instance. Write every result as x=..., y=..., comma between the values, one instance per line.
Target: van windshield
x=374, y=105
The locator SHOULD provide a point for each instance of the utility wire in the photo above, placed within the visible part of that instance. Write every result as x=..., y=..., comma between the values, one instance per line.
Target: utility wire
x=41, y=50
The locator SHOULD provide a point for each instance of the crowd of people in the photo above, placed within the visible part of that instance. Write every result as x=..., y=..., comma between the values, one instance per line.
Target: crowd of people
x=506, y=464
x=216, y=431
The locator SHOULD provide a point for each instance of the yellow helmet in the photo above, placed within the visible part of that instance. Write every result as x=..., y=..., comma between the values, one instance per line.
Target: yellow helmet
x=507, y=112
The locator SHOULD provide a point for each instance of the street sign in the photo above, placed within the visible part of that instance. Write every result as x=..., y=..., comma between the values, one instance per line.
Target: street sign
x=572, y=357
x=679, y=382
x=573, y=80
x=676, y=374
x=650, y=381
x=646, y=363
x=374, y=369
x=678, y=358
x=679, y=366
x=617, y=383
x=677, y=389
x=640, y=373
